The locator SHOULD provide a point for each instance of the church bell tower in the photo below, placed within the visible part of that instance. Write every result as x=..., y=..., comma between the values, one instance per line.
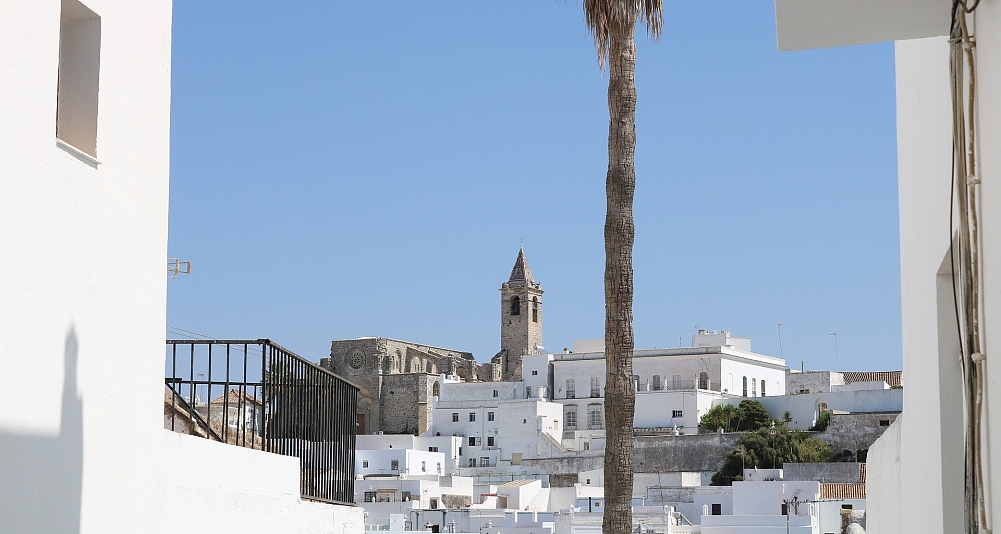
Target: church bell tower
x=521, y=318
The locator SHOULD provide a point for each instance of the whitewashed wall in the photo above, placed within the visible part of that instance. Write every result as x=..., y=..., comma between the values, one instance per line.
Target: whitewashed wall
x=804, y=408
x=213, y=487
x=83, y=287
x=932, y=456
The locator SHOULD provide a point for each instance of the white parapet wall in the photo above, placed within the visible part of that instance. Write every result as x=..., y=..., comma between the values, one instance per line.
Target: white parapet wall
x=214, y=487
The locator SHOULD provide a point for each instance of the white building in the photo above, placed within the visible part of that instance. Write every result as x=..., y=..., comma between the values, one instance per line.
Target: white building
x=499, y=427
x=674, y=387
x=84, y=137
x=764, y=503
x=917, y=468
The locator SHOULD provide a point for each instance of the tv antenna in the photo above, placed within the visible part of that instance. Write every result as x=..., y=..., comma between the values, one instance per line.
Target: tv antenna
x=175, y=267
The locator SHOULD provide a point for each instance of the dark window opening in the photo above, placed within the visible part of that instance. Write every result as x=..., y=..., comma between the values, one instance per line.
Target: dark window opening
x=516, y=306
x=717, y=509
x=535, y=309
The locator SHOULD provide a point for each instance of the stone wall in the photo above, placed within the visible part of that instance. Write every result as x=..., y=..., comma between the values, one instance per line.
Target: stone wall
x=856, y=431
x=822, y=472
x=698, y=452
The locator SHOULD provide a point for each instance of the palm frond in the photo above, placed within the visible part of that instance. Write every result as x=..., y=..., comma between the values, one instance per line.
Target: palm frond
x=606, y=16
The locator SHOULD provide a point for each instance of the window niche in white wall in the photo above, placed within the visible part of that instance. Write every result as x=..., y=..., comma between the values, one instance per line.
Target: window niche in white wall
x=79, y=72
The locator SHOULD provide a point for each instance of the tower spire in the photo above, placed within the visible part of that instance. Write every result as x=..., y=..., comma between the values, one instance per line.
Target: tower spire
x=520, y=273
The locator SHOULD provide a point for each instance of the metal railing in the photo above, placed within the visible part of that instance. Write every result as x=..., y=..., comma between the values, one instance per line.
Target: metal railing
x=256, y=394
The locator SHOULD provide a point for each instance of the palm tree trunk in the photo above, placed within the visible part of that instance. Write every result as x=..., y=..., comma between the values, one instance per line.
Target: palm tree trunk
x=620, y=185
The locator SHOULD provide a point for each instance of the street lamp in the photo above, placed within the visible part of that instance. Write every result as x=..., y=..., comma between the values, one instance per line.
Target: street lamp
x=837, y=366
x=771, y=441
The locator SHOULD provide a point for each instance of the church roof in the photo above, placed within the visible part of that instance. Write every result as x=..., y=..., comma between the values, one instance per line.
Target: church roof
x=521, y=273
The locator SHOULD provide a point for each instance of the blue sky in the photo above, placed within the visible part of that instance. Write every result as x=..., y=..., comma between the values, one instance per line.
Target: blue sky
x=348, y=169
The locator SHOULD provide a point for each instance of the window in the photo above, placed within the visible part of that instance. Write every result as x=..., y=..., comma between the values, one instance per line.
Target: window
x=394, y=465
x=676, y=381
x=703, y=380
x=745, y=392
x=79, y=72
x=405, y=496
x=439, y=467
x=656, y=382
x=490, y=441
x=474, y=441
x=594, y=420
x=570, y=416
x=595, y=387
x=528, y=392
x=516, y=306
x=535, y=373
x=675, y=413
x=762, y=388
x=432, y=449
x=455, y=417
x=472, y=417
x=472, y=462
x=515, y=458
x=884, y=422
x=495, y=393
x=754, y=388
x=571, y=389
x=364, y=463
x=785, y=509
x=460, y=451
x=434, y=503
x=369, y=496
x=424, y=467
x=436, y=390
x=588, y=481
x=484, y=462
x=535, y=309
x=846, y=507
x=490, y=416
x=717, y=509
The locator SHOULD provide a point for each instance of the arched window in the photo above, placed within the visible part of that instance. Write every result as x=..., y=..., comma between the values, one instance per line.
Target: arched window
x=754, y=388
x=745, y=386
x=703, y=380
x=516, y=306
x=762, y=388
x=656, y=382
x=535, y=309
x=436, y=390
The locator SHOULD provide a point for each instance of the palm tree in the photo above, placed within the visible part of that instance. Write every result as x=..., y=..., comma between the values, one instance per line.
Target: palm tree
x=613, y=25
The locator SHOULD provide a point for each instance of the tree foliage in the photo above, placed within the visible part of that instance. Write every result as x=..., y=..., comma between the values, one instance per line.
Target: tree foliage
x=764, y=450
x=750, y=415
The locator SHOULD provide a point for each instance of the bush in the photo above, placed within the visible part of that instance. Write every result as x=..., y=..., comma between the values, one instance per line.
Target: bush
x=822, y=422
x=763, y=450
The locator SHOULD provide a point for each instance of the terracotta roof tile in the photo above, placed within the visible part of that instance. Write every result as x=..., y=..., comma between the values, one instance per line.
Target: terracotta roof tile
x=842, y=490
x=893, y=378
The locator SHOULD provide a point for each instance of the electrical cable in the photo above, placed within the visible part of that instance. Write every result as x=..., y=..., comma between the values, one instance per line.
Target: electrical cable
x=965, y=258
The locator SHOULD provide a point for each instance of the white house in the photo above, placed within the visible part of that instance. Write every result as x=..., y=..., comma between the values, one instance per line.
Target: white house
x=674, y=387
x=85, y=141
x=919, y=463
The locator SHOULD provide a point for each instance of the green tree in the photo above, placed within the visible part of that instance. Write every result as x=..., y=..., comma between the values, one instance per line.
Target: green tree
x=813, y=449
x=722, y=416
x=787, y=418
x=769, y=448
x=753, y=415
x=612, y=23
